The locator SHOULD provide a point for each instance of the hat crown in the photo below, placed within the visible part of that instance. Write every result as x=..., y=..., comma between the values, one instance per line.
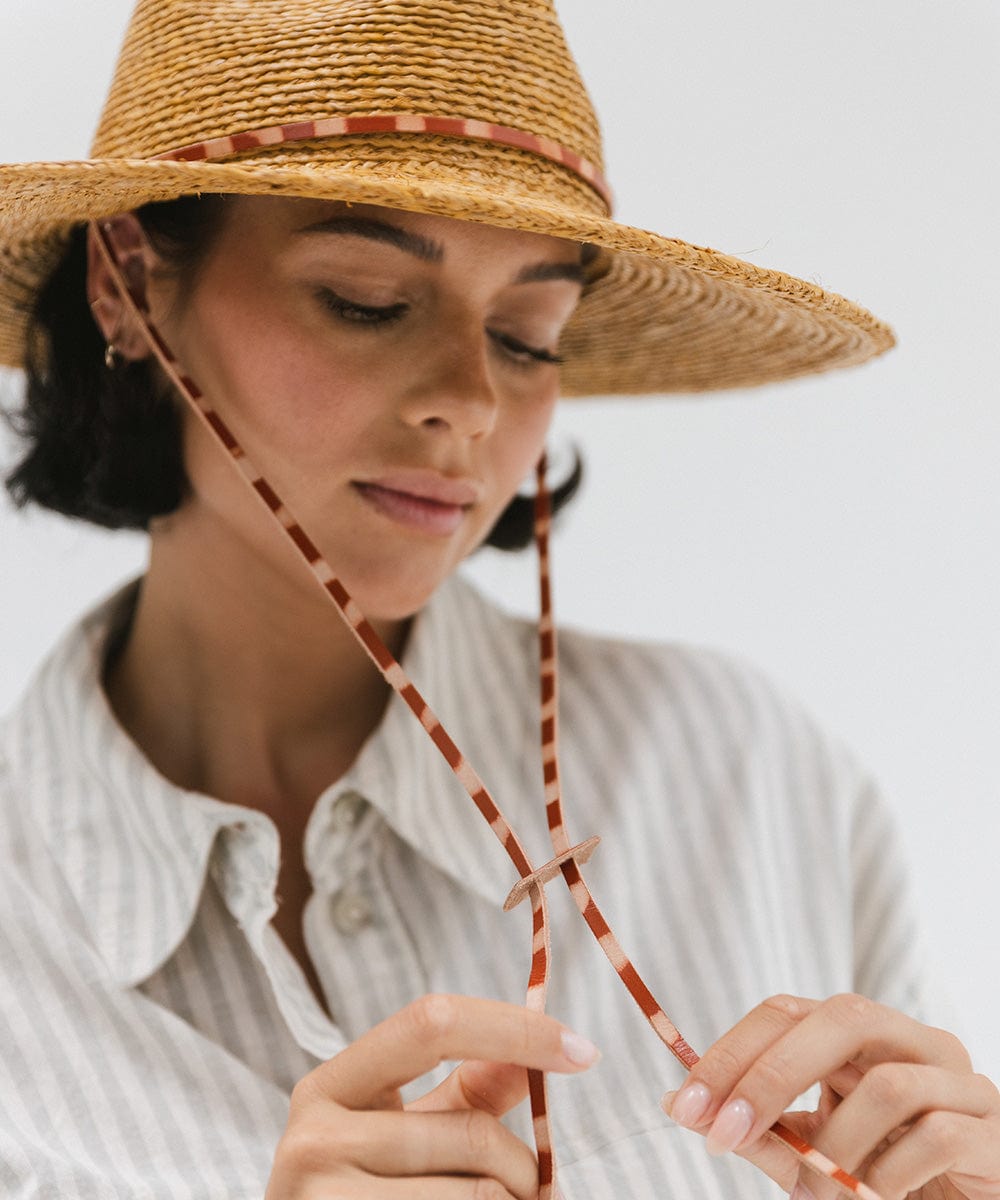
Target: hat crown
x=190, y=70
x=469, y=109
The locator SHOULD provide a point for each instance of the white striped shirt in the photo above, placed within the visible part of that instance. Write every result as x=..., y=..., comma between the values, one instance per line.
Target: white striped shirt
x=153, y=1023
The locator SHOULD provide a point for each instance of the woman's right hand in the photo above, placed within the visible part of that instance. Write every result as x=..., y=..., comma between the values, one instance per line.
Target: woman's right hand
x=349, y=1135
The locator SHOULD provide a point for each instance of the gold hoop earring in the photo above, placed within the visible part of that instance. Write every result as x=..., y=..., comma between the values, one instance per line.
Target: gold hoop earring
x=113, y=357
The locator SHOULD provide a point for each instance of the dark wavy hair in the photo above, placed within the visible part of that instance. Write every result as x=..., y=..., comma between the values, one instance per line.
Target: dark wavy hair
x=105, y=446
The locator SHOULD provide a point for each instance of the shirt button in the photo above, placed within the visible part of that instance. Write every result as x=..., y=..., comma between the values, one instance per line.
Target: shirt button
x=352, y=912
x=347, y=810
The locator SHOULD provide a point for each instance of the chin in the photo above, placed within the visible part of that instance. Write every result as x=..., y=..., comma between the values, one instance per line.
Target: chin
x=393, y=595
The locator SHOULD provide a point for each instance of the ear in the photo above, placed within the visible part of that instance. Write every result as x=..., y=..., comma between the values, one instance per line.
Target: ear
x=134, y=256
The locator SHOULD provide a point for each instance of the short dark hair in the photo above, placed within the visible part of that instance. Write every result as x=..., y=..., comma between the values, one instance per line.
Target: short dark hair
x=105, y=446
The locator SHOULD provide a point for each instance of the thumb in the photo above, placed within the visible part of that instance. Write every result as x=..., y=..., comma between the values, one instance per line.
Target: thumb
x=492, y=1087
x=769, y=1153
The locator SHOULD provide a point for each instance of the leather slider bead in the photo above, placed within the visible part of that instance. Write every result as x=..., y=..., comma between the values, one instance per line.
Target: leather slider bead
x=549, y=871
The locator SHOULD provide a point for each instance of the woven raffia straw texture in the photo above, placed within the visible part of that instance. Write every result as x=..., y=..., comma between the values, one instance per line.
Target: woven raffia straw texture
x=658, y=314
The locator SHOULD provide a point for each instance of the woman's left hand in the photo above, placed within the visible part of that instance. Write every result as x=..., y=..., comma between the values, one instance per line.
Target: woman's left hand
x=900, y=1107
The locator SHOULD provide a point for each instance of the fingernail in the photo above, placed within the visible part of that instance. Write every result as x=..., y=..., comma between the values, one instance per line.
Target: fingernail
x=690, y=1104
x=666, y=1101
x=801, y=1192
x=730, y=1127
x=578, y=1049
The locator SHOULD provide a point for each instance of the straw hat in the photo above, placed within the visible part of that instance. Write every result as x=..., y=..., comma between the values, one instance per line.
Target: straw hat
x=471, y=109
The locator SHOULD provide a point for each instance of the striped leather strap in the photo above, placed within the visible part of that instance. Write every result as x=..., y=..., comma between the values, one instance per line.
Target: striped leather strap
x=567, y=858
x=413, y=123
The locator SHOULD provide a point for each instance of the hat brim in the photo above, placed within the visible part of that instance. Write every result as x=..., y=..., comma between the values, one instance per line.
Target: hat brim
x=659, y=315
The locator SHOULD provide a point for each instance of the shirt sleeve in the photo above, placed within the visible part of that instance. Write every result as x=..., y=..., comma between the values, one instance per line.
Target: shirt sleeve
x=892, y=960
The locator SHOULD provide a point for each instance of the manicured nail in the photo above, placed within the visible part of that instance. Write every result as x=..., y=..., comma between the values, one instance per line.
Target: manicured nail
x=801, y=1192
x=690, y=1104
x=666, y=1101
x=578, y=1049
x=730, y=1127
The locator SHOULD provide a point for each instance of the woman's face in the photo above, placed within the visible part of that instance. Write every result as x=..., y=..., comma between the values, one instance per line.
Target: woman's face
x=392, y=375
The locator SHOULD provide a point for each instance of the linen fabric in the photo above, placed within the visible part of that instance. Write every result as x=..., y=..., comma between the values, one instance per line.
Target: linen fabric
x=153, y=1023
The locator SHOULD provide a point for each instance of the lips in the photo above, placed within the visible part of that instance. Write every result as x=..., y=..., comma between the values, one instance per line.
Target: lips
x=429, y=485
x=420, y=500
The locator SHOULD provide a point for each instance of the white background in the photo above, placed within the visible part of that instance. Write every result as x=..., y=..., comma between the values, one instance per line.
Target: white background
x=842, y=532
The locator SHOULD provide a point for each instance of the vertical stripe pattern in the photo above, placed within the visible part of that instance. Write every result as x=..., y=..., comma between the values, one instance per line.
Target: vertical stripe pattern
x=567, y=860
x=147, y=1003
x=392, y=672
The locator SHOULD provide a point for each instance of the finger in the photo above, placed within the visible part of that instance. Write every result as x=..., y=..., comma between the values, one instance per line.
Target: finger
x=430, y=1187
x=434, y=1029
x=770, y=1154
x=842, y=1082
x=842, y=1030
x=697, y=1101
x=414, y=1145
x=494, y=1088
x=892, y=1095
x=941, y=1143
x=845, y=1029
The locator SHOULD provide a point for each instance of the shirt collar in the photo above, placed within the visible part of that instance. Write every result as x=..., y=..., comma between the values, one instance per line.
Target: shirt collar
x=135, y=848
x=474, y=665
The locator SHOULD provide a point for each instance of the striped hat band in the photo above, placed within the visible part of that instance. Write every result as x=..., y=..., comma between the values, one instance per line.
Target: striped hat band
x=303, y=131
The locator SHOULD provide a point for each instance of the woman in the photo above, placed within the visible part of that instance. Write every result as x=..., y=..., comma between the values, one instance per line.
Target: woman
x=233, y=864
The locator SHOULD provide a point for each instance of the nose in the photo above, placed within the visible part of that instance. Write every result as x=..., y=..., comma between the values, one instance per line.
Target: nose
x=452, y=388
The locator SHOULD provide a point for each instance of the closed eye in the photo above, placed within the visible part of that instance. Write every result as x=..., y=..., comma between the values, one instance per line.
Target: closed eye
x=375, y=316
x=521, y=352
x=361, y=314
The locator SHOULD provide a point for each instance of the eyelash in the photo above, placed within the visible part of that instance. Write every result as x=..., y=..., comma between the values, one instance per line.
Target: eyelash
x=361, y=314
x=364, y=314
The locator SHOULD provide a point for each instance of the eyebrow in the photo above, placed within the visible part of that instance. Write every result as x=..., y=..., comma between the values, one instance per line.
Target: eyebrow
x=380, y=231
x=543, y=271
x=430, y=251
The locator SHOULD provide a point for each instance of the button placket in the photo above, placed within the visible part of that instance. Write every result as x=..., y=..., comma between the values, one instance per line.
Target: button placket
x=337, y=840
x=337, y=849
x=351, y=911
x=346, y=811
x=245, y=867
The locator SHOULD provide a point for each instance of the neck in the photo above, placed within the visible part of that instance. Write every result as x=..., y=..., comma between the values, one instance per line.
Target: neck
x=245, y=686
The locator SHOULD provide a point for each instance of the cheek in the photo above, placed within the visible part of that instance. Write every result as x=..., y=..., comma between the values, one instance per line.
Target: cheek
x=285, y=401
x=527, y=440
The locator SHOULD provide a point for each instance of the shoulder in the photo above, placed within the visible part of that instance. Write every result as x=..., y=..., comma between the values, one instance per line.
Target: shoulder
x=666, y=718
x=52, y=743
x=645, y=684
x=703, y=694
x=667, y=675
x=677, y=727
